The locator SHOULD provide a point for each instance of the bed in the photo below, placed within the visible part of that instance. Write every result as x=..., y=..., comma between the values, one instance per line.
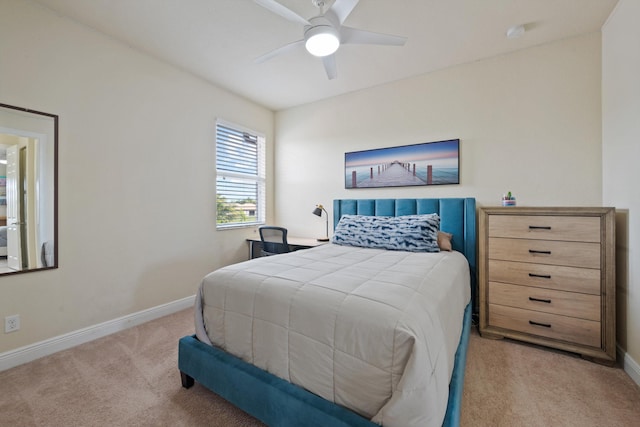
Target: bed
x=343, y=335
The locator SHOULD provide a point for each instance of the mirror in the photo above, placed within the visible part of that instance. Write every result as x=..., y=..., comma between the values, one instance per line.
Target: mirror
x=28, y=190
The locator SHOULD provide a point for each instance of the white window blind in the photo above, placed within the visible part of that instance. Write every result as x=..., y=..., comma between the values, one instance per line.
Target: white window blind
x=240, y=176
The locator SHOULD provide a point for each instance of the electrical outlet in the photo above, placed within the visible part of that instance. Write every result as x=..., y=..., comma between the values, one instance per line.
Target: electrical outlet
x=11, y=323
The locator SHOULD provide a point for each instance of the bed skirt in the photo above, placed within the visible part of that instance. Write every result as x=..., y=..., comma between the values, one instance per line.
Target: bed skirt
x=277, y=402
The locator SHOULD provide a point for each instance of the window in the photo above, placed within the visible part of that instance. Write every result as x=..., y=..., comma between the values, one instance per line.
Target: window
x=240, y=176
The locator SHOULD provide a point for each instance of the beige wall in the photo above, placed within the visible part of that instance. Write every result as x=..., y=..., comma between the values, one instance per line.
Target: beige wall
x=529, y=122
x=620, y=154
x=136, y=177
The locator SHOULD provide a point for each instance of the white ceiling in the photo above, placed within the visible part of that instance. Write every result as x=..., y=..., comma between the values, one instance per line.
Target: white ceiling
x=218, y=40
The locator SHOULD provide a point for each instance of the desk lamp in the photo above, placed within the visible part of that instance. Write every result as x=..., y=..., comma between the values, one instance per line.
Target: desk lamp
x=318, y=212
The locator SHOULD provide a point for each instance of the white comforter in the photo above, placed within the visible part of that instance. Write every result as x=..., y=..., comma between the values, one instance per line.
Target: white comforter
x=373, y=330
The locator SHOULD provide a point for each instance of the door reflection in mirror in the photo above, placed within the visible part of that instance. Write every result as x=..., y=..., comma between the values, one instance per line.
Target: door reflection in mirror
x=28, y=190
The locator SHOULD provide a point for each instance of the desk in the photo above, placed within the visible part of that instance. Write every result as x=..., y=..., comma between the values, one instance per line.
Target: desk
x=295, y=243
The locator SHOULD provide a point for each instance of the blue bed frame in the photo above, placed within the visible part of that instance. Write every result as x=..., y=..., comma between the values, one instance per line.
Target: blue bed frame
x=277, y=402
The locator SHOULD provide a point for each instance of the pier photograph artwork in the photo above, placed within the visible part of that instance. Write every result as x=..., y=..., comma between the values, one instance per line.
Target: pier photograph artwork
x=429, y=163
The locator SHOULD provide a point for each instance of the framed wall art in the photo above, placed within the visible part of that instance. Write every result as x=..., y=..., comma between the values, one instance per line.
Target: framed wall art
x=429, y=163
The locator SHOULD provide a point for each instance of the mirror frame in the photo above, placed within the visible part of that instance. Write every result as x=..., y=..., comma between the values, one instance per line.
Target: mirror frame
x=55, y=189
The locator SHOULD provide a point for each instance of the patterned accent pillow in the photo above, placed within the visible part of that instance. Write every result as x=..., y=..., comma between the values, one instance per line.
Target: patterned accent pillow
x=412, y=233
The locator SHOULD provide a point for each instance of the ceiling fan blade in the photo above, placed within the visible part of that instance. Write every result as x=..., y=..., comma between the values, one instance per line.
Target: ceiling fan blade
x=350, y=35
x=330, y=66
x=279, y=51
x=342, y=9
x=283, y=11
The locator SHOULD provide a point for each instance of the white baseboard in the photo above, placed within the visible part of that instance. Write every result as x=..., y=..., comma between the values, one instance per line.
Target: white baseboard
x=40, y=349
x=630, y=366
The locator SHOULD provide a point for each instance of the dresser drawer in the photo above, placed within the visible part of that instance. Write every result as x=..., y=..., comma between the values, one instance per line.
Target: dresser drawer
x=546, y=227
x=570, y=304
x=573, y=254
x=571, y=279
x=571, y=329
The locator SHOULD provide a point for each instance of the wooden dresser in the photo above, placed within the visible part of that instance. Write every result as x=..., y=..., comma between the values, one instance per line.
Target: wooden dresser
x=547, y=276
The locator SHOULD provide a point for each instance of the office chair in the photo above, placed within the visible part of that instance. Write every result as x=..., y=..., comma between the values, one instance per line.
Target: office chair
x=274, y=240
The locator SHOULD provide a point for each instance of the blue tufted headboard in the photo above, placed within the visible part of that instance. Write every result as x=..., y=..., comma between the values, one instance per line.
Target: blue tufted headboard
x=457, y=216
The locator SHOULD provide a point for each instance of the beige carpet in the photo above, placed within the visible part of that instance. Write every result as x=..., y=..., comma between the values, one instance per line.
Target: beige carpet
x=131, y=379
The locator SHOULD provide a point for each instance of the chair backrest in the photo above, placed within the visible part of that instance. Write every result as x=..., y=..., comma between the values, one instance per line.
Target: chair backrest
x=274, y=240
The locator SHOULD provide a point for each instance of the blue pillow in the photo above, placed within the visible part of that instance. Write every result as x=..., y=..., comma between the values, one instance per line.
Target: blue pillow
x=413, y=233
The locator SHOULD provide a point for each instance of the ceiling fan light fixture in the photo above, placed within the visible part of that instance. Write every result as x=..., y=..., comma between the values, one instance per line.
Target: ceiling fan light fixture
x=324, y=33
x=321, y=40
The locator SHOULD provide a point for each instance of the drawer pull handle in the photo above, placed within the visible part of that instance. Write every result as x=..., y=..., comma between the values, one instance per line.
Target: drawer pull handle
x=546, y=325
x=539, y=227
x=542, y=276
x=548, y=301
x=531, y=251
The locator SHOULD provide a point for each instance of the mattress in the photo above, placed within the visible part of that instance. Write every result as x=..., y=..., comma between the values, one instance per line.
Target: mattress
x=370, y=329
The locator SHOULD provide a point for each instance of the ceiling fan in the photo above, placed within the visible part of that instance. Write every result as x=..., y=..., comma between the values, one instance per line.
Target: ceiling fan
x=324, y=33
